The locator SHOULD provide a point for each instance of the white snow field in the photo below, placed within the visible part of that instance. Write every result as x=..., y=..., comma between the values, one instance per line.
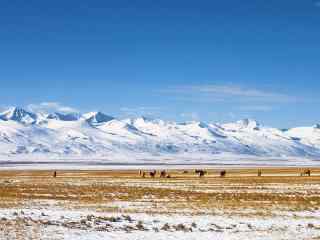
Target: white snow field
x=97, y=137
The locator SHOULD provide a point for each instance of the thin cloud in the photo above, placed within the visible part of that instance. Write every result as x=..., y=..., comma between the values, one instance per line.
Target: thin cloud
x=256, y=108
x=218, y=93
x=194, y=116
x=316, y=3
x=48, y=107
x=140, y=111
x=232, y=115
x=4, y=108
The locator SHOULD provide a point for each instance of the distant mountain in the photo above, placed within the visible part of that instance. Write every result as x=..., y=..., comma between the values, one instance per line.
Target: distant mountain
x=19, y=115
x=64, y=117
x=97, y=135
x=245, y=124
x=97, y=117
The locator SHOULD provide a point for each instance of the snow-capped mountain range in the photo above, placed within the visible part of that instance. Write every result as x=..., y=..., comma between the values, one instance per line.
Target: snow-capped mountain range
x=25, y=134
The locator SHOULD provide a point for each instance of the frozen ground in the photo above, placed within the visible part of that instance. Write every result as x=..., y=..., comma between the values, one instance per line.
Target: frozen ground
x=66, y=224
x=184, y=161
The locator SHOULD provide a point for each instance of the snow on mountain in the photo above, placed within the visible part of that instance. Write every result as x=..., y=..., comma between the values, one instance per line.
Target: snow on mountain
x=19, y=115
x=97, y=117
x=266, y=141
x=62, y=136
x=64, y=117
x=307, y=135
x=245, y=124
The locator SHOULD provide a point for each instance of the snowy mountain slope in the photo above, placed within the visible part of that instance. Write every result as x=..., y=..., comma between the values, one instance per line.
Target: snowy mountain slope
x=64, y=117
x=97, y=117
x=307, y=135
x=19, y=115
x=62, y=136
x=264, y=141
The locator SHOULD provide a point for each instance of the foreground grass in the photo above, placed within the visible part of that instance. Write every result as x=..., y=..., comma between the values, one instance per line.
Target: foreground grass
x=278, y=189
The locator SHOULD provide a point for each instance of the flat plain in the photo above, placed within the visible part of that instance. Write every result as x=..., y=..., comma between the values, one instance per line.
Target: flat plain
x=120, y=204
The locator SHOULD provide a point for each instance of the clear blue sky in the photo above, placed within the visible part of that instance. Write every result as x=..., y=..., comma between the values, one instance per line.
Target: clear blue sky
x=178, y=60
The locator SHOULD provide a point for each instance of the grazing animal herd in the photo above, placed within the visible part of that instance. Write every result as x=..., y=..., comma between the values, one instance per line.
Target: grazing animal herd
x=201, y=173
x=164, y=174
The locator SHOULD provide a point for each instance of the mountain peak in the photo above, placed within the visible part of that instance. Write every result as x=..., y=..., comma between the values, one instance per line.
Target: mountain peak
x=64, y=117
x=249, y=123
x=97, y=117
x=147, y=120
x=317, y=126
x=18, y=114
x=244, y=124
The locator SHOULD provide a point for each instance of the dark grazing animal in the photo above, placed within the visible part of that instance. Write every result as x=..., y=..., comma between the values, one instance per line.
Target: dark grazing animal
x=259, y=173
x=55, y=174
x=153, y=173
x=163, y=174
x=223, y=173
x=306, y=172
x=200, y=172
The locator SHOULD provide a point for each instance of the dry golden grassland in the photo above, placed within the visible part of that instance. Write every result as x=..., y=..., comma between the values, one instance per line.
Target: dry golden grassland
x=239, y=190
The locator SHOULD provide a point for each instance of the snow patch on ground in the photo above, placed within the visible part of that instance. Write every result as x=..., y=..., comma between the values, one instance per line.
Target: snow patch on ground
x=85, y=224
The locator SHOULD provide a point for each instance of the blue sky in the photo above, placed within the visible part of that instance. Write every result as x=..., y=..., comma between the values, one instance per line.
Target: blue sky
x=217, y=61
